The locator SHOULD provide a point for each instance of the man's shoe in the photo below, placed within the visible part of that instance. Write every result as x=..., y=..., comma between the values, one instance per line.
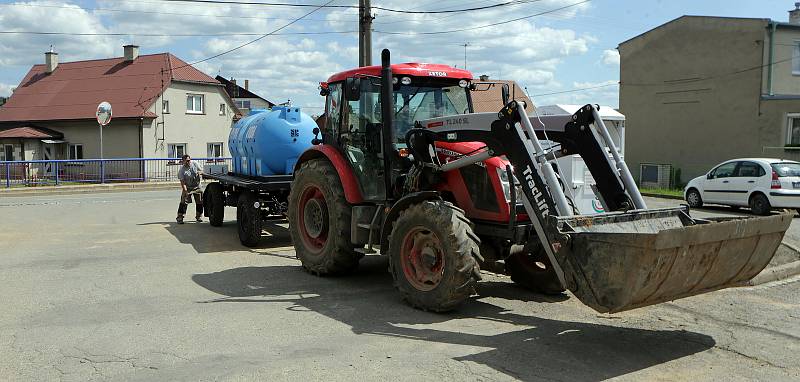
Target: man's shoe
x=179, y=220
x=198, y=219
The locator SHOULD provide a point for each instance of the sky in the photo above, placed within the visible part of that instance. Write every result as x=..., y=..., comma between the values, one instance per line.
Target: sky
x=565, y=52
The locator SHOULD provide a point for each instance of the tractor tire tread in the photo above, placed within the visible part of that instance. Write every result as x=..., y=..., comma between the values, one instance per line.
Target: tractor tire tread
x=216, y=198
x=462, y=270
x=341, y=257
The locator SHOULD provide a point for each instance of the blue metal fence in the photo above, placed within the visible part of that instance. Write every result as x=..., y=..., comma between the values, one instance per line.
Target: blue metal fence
x=82, y=171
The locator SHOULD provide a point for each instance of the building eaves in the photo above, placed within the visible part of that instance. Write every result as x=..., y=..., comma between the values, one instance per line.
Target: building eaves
x=685, y=17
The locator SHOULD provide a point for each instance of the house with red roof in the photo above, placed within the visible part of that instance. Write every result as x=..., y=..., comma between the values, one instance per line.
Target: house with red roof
x=162, y=108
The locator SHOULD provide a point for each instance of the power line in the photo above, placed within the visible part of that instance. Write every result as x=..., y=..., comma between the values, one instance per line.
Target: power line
x=483, y=26
x=259, y=38
x=298, y=33
x=707, y=78
x=300, y=5
x=575, y=90
x=152, y=12
x=170, y=34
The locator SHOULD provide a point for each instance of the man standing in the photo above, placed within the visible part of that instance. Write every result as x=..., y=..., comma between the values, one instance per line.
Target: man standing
x=189, y=175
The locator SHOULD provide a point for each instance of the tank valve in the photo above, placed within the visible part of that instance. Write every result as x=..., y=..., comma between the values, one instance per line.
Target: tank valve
x=316, y=139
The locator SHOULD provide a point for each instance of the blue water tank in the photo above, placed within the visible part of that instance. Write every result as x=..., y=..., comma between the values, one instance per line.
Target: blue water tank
x=268, y=142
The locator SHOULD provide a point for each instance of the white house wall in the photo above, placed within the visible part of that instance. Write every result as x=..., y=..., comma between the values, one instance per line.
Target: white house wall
x=195, y=130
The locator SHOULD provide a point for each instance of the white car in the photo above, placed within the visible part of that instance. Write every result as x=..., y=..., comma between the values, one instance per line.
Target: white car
x=759, y=183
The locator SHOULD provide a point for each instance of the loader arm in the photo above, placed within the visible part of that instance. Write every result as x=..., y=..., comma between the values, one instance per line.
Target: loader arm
x=626, y=258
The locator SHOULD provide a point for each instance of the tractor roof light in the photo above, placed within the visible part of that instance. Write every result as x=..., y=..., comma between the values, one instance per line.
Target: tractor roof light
x=463, y=83
x=394, y=80
x=405, y=80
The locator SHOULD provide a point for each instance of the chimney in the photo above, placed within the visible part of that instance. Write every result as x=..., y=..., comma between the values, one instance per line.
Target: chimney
x=131, y=52
x=794, y=14
x=246, y=84
x=484, y=77
x=51, y=60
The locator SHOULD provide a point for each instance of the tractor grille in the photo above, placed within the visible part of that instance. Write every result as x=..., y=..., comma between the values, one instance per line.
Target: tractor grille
x=480, y=188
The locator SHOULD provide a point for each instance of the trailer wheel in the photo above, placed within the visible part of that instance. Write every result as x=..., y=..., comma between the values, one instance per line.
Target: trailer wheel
x=434, y=256
x=248, y=220
x=533, y=271
x=319, y=220
x=214, y=204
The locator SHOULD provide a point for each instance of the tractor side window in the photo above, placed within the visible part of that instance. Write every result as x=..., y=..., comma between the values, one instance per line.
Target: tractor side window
x=333, y=108
x=361, y=139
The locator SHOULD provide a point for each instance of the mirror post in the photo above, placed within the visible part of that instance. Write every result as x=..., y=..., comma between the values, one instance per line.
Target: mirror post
x=102, y=162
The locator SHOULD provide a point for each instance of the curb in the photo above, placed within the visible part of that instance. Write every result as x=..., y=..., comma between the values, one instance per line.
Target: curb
x=776, y=273
x=87, y=189
x=662, y=196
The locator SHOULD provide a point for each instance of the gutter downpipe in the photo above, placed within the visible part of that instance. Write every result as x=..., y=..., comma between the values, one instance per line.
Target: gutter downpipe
x=772, y=28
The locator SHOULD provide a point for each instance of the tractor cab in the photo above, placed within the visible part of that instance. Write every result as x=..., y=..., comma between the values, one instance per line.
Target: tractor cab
x=355, y=121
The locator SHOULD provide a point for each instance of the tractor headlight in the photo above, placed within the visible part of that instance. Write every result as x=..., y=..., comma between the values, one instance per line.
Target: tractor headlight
x=405, y=81
x=463, y=83
x=504, y=182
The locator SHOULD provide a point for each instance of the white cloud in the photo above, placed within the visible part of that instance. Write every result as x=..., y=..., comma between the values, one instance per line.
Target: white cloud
x=24, y=49
x=5, y=89
x=290, y=66
x=610, y=57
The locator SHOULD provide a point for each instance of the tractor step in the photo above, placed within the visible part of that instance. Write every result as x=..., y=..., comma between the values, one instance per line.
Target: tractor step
x=364, y=226
x=366, y=251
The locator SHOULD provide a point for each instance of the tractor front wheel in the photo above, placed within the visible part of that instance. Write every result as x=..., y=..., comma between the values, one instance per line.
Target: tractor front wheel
x=434, y=256
x=319, y=220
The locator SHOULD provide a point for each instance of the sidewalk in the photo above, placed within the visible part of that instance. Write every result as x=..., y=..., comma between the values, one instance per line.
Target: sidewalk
x=88, y=188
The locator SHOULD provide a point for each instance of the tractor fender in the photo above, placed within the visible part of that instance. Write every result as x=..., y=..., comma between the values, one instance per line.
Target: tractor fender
x=346, y=175
x=399, y=206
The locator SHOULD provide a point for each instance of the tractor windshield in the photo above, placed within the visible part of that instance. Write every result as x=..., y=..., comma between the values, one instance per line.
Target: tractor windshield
x=415, y=103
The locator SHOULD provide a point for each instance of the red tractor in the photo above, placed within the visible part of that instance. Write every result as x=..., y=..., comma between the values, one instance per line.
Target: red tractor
x=403, y=164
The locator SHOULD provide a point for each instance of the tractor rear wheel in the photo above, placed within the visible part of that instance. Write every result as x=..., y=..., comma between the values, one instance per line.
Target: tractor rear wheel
x=214, y=204
x=434, y=256
x=319, y=220
x=532, y=270
x=248, y=220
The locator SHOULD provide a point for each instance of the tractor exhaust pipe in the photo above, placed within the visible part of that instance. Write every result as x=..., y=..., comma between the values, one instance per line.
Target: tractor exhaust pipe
x=387, y=128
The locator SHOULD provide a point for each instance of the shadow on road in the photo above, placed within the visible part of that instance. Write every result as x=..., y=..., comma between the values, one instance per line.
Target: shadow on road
x=207, y=239
x=540, y=349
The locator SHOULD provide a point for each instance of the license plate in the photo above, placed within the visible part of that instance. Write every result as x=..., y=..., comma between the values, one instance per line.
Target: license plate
x=796, y=184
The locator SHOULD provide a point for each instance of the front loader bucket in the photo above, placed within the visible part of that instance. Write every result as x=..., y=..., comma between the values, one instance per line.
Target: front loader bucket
x=620, y=261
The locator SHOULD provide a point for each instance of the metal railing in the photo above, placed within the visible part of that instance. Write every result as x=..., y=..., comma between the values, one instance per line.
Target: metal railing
x=86, y=171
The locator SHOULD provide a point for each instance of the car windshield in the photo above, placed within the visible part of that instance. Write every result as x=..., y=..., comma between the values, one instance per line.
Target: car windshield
x=787, y=168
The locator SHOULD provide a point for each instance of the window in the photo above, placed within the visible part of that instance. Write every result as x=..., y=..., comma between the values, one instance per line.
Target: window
x=750, y=170
x=165, y=107
x=243, y=104
x=215, y=150
x=8, y=153
x=176, y=150
x=222, y=109
x=194, y=104
x=793, y=130
x=786, y=168
x=76, y=151
x=724, y=171
x=796, y=58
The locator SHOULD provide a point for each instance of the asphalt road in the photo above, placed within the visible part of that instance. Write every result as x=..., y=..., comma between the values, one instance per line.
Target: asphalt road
x=108, y=287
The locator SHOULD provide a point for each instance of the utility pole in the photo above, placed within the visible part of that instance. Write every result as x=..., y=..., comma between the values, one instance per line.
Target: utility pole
x=466, y=44
x=364, y=33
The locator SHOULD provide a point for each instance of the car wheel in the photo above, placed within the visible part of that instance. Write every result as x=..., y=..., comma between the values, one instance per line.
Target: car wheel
x=693, y=198
x=759, y=204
